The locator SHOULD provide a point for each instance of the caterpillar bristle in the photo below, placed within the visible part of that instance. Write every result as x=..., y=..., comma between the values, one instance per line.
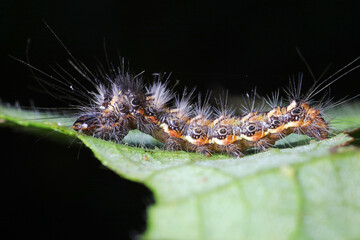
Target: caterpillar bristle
x=294, y=89
x=202, y=107
x=222, y=106
x=183, y=105
x=273, y=100
x=252, y=102
x=158, y=92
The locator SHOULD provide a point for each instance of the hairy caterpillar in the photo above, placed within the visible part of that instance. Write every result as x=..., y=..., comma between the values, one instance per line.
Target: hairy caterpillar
x=123, y=102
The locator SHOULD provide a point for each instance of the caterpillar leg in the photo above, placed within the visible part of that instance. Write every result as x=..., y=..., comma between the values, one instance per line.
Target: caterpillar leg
x=234, y=151
x=174, y=144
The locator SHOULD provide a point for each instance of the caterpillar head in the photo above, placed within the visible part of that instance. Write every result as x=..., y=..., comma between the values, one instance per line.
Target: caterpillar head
x=86, y=124
x=109, y=128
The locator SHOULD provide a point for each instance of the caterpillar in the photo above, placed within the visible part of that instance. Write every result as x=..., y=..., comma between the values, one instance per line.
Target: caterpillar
x=122, y=101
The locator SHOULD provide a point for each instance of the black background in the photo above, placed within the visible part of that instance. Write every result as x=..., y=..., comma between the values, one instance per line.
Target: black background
x=49, y=191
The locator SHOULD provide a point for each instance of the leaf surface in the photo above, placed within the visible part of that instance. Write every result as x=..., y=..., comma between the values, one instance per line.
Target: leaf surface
x=307, y=191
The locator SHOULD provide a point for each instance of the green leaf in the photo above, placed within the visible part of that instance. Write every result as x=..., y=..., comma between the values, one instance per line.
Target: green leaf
x=307, y=191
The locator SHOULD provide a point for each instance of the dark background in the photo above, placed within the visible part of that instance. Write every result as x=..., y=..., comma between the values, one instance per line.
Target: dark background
x=234, y=45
